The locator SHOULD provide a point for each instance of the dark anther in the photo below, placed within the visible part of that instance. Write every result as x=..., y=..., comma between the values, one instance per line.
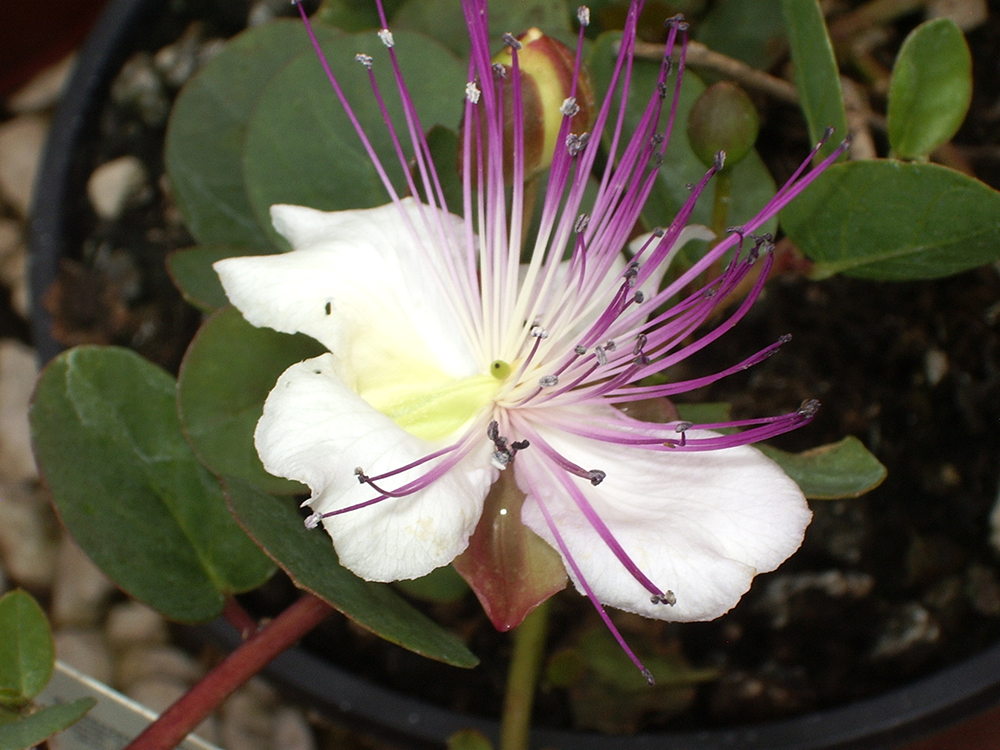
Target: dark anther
x=650, y=680
x=720, y=160
x=677, y=21
x=580, y=349
x=689, y=186
x=610, y=346
x=668, y=66
x=785, y=338
x=736, y=230
x=581, y=223
x=547, y=381
x=499, y=70
x=360, y=474
x=661, y=90
x=809, y=408
x=658, y=232
x=510, y=41
x=602, y=357
x=656, y=140
x=828, y=132
x=328, y=308
x=632, y=273
x=639, y=297
x=596, y=476
x=681, y=429
x=640, y=342
x=667, y=597
x=493, y=431
x=519, y=445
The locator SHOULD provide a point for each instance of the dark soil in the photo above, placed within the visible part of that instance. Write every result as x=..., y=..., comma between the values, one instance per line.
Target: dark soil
x=886, y=587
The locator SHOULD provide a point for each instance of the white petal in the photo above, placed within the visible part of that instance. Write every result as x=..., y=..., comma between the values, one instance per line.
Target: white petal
x=317, y=430
x=357, y=283
x=700, y=524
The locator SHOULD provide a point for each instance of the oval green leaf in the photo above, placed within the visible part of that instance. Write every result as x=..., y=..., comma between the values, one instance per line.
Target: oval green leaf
x=749, y=31
x=192, y=273
x=830, y=472
x=204, y=144
x=752, y=185
x=310, y=560
x=444, y=21
x=130, y=490
x=301, y=147
x=930, y=90
x=42, y=724
x=817, y=77
x=227, y=372
x=26, y=651
x=895, y=220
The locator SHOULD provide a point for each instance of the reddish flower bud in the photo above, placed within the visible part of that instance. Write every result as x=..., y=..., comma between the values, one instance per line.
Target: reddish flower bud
x=548, y=94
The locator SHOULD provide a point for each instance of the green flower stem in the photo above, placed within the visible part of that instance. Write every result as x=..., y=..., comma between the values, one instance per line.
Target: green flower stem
x=720, y=215
x=248, y=659
x=522, y=679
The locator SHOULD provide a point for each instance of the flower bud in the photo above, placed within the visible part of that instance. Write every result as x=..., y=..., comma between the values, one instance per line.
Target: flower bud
x=546, y=78
x=723, y=119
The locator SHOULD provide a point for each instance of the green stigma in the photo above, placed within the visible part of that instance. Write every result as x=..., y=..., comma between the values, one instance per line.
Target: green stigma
x=499, y=369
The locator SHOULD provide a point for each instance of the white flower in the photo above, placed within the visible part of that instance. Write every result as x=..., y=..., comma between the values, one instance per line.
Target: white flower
x=450, y=362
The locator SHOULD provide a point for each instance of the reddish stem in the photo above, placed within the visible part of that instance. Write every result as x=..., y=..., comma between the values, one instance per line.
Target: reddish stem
x=254, y=654
x=239, y=618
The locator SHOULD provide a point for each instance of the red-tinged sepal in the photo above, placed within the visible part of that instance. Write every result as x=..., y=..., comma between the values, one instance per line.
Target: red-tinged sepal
x=511, y=569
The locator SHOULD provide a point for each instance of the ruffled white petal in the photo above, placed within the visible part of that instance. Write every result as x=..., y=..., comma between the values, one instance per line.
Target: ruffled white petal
x=357, y=282
x=317, y=430
x=700, y=524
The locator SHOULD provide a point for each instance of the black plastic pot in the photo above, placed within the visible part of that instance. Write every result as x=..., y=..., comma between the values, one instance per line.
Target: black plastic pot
x=885, y=721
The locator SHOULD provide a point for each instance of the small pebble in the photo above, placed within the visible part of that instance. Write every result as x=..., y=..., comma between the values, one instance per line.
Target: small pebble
x=292, y=731
x=43, y=91
x=935, y=366
x=138, y=86
x=21, y=143
x=247, y=722
x=85, y=650
x=142, y=662
x=135, y=624
x=912, y=626
x=968, y=14
x=114, y=184
x=18, y=372
x=81, y=591
x=26, y=550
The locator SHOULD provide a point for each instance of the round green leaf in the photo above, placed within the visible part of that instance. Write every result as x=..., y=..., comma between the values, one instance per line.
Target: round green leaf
x=227, y=372
x=42, y=724
x=204, y=145
x=191, y=271
x=129, y=489
x=301, y=147
x=444, y=21
x=829, y=472
x=310, y=560
x=26, y=652
x=749, y=31
x=895, y=220
x=930, y=90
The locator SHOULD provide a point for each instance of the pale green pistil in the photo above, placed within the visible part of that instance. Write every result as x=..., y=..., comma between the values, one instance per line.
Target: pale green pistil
x=432, y=408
